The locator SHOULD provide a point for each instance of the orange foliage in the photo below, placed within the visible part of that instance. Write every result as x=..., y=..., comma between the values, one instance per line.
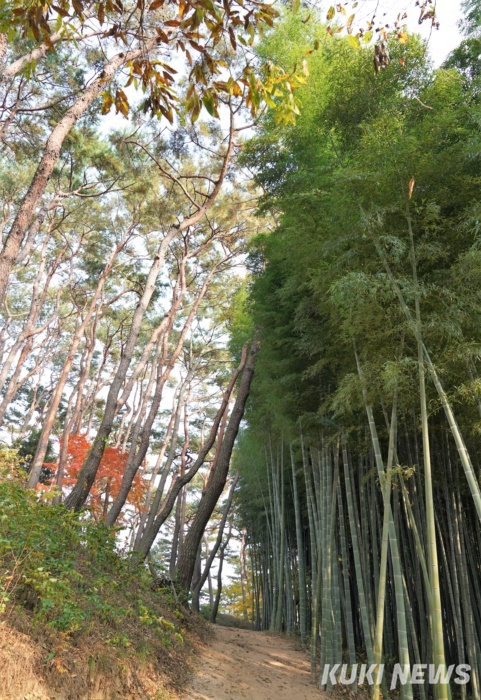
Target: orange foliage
x=109, y=475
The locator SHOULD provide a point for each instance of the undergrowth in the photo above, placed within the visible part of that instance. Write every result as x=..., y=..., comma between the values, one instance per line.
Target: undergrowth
x=60, y=576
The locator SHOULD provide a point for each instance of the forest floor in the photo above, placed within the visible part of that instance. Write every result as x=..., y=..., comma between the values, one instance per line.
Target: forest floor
x=239, y=664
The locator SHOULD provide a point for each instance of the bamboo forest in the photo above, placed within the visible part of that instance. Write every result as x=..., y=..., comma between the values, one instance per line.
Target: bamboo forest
x=240, y=349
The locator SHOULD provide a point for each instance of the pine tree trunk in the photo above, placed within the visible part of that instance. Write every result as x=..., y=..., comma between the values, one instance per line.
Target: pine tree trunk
x=81, y=490
x=218, y=477
x=51, y=154
x=158, y=519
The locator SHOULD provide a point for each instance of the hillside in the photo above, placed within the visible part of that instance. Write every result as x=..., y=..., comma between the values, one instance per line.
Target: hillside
x=78, y=620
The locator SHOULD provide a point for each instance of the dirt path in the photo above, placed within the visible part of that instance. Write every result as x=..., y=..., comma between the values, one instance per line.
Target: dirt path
x=240, y=664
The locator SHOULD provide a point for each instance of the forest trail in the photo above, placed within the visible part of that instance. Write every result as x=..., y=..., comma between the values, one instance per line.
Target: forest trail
x=239, y=664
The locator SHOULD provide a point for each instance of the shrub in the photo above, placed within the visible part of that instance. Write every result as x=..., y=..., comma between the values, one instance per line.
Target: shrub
x=63, y=569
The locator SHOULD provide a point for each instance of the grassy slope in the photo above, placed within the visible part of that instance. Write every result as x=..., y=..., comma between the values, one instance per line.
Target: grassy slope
x=81, y=619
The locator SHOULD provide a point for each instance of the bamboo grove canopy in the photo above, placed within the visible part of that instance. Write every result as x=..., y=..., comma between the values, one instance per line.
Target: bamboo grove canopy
x=359, y=464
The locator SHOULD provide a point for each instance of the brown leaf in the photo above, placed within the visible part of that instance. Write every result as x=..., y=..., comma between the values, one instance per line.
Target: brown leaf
x=60, y=10
x=162, y=35
x=77, y=6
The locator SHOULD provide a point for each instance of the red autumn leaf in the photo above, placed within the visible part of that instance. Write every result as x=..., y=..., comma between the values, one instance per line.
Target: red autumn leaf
x=109, y=476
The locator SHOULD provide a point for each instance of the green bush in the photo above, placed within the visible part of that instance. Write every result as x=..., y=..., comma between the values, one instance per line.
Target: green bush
x=63, y=569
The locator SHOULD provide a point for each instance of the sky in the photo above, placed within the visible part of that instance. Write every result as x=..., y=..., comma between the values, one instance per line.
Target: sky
x=441, y=41
x=448, y=36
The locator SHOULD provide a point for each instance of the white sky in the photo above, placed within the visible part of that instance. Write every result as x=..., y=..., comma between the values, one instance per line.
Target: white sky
x=441, y=42
x=444, y=40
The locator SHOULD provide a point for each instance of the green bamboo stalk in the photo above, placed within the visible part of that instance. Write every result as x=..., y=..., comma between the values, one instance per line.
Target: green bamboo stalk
x=413, y=637
x=442, y=692
x=282, y=549
x=332, y=478
x=313, y=541
x=351, y=644
x=336, y=624
x=365, y=623
x=300, y=556
x=289, y=593
x=466, y=597
x=453, y=425
x=418, y=543
x=326, y=650
x=403, y=645
x=316, y=596
x=381, y=598
x=454, y=568
x=274, y=570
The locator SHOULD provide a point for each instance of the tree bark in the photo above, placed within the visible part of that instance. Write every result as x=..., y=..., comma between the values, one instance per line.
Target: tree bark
x=152, y=529
x=3, y=46
x=51, y=154
x=36, y=54
x=206, y=573
x=81, y=490
x=136, y=458
x=153, y=477
x=218, y=478
x=153, y=502
x=40, y=452
x=218, y=593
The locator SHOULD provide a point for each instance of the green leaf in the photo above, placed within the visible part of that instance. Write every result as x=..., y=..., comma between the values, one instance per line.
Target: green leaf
x=209, y=5
x=330, y=13
x=254, y=92
x=209, y=104
x=269, y=101
x=295, y=6
x=353, y=41
x=367, y=37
